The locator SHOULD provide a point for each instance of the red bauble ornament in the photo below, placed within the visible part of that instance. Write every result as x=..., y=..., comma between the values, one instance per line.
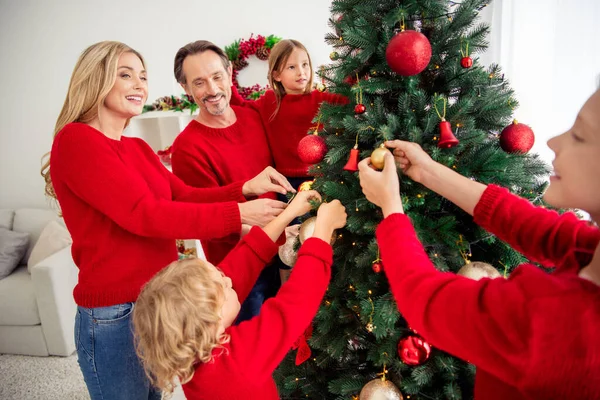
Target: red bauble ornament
x=517, y=138
x=408, y=53
x=352, y=164
x=312, y=149
x=351, y=80
x=413, y=350
x=360, y=109
x=447, y=139
x=377, y=267
x=466, y=62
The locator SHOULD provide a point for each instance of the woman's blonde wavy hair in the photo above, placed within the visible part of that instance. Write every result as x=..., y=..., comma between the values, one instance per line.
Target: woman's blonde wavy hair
x=93, y=77
x=175, y=322
x=277, y=59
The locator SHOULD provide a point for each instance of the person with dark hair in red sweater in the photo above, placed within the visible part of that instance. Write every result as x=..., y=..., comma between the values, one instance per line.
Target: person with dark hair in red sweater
x=533, y=335
x=222, y=145
x=124, y=210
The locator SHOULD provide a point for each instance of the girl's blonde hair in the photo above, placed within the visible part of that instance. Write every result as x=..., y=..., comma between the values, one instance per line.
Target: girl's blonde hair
x=175, y=322
x=277, y=60
x=93, y=77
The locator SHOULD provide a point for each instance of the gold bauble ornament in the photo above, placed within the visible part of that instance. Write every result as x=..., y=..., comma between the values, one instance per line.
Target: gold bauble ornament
x=321, y=87
x=378, y=157
x=304, y=186
x=286, y=252
x=476, y=270
x=379, y=389
x=307, y=229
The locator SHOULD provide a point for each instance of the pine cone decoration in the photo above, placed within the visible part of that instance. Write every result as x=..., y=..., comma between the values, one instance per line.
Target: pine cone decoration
x=262, y=53
x=239, y=64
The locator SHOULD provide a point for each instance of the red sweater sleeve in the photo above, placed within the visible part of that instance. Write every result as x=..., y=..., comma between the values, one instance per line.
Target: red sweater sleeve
x=245, y=262
x=328, y=97
x=195, y=172
x=484, y=322
x=260, y=344
x=93, y=171
x=541, y=235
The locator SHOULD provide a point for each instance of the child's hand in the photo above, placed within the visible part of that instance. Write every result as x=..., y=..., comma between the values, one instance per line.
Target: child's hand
x=411, y=159
x=331, y=216
x=300, y=204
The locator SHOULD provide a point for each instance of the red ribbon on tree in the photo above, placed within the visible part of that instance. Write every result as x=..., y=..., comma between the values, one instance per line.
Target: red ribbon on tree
x=301, y=344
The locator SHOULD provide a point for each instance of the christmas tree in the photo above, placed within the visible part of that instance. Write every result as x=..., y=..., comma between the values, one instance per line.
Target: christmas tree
x=410, y=71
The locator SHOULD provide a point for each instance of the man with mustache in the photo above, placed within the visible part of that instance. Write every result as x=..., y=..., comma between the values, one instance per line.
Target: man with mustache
x=224, y=144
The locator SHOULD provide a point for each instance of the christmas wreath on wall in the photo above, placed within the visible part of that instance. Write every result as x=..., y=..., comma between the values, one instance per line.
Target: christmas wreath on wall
x=238, y=53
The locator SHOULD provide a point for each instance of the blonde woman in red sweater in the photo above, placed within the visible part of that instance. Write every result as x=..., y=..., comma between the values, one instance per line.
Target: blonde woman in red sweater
x=124, y=211
x=183, y=318
x=533, y=335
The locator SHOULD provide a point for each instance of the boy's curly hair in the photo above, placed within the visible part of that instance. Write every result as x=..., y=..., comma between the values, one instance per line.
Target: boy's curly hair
x=175, y=322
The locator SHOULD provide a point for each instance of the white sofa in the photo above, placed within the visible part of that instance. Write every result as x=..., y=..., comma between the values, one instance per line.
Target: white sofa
x=37, y=310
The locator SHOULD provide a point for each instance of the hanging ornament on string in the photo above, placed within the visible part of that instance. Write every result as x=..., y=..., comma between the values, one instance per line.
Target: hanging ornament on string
x=321, y=86
x=378, y=157
x=408, y=52
x=413, y=349
x=307, y=229
x=447, y=139
x=370, y=327
x=476, y=270
x=286, y=252
x=380, y=389
x=377, y=265
x=359, y=108
x=517, y=138
x=465, y=61
x=334, y=55
x=306, y=185
x=301, y=344
x=352, y=163
x=312, y=148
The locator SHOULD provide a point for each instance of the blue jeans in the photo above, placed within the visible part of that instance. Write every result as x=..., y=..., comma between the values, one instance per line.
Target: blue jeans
x=106, y=354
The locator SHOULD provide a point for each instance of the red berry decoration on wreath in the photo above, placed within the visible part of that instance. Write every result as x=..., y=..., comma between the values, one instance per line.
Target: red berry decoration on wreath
x=408, y=53
x=413, y=350
x=517, y=138
x=238, y=53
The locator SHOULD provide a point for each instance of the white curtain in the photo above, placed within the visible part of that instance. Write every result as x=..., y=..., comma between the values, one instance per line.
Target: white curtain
x=549, y=50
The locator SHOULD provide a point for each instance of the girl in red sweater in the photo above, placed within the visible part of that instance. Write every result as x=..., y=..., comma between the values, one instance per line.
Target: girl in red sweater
x=534, y=335
x=183, y=317
x=124, y=211
x=288, y=109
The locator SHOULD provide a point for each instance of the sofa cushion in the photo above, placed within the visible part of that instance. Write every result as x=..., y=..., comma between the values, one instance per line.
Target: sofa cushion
x=53, y=238
x=33, y=221
x=18, y=305
x=13, y=246
x=6, y=218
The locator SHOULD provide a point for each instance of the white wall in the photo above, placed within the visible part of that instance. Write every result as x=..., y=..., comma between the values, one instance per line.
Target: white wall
x=41, y=40
x=551, y=59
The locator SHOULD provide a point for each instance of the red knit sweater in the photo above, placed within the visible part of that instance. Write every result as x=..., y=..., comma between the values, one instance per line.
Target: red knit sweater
x=533, y=336
x=257, y=346
x=212, y=157
x=124, y=211
x=291, y=123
